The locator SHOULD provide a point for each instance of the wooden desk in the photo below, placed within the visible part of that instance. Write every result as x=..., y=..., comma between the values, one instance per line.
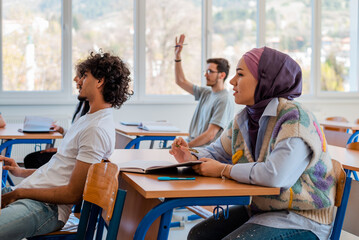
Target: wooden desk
x=148, y=199
x=350, y=160
x=143, y=135
x=343, y=125
x=10, y=136
x=347, y=157
x=352, y=126
x=10, y=131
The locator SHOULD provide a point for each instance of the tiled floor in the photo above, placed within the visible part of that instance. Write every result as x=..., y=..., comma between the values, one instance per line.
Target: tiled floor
x=347, y=236
x=180, y=233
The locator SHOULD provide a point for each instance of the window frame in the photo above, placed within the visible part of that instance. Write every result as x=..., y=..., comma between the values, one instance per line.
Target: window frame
x=65, y=96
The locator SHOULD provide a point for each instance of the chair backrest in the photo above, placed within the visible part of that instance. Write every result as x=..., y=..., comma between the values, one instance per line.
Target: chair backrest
x=353, y=145
x=336, y=119
x=336, y=138
x=340, y=176
x=101, y=198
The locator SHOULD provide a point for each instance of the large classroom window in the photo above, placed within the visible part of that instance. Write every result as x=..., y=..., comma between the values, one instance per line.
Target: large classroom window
x=42, y=40
x=164, y=21
x=288, y=25
x=102, y=26
x=335, y=50
x=234, y=30
x=31, y=45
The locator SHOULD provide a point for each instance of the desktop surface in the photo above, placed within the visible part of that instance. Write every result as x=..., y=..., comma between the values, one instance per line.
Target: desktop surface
x=150, y=187
x=11, y=131
x=135, y=131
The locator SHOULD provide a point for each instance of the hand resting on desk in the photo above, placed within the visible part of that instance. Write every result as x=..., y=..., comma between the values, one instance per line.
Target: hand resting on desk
x=209, y=168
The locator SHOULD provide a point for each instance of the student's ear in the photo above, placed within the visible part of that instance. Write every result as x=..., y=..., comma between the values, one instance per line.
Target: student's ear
x=222, y=75
x=100, y=82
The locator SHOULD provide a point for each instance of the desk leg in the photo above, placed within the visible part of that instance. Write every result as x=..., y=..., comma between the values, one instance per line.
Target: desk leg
x=5, y=175
x=165, y=225
x=165, y=210
x=136, y=142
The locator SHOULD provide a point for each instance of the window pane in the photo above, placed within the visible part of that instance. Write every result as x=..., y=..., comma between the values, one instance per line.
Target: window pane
x=288, y=29
x=234, y=30
x=106, y=25
x=164, y=21
x=335, y=59
x=31, y=47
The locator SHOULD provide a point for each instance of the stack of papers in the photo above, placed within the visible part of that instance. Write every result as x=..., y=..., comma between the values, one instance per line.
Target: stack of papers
x=37, y=124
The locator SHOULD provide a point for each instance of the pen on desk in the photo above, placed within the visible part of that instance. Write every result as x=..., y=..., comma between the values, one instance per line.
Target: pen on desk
x=175, y=178
x=189, y=149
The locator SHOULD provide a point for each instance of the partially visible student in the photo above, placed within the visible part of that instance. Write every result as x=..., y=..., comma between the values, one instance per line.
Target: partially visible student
x=42, y=202
x=39, y=158
x=2, y=121
x=215, y=106
x=273, y=142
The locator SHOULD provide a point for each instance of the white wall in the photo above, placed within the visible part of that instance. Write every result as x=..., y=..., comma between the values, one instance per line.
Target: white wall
x=178, y=114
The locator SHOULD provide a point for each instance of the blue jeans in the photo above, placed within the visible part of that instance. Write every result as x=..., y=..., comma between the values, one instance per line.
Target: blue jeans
x=25, y=218
x=235, y=227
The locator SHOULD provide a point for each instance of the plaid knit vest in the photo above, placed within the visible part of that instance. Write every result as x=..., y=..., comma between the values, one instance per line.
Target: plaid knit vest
x=313, y=194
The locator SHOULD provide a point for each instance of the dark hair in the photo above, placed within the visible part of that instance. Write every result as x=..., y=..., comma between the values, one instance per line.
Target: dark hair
x=222, y=65
x=115, y=73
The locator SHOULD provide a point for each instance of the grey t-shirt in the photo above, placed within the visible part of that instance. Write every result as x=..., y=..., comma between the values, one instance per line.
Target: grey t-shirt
x=213, y=108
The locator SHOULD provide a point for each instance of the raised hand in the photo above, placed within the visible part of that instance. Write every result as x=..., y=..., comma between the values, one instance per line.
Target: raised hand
x=179, y=46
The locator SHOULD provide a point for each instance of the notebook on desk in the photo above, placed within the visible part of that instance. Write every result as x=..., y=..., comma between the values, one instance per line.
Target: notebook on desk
x=142, y=166
x=158, y=126
x=130, y=123
x=37, y=124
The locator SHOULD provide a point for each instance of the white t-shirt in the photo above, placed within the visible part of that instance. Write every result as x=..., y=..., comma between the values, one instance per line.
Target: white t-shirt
x=90, y=139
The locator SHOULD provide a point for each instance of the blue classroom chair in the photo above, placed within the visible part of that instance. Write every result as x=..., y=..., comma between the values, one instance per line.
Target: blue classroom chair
x=102, y=203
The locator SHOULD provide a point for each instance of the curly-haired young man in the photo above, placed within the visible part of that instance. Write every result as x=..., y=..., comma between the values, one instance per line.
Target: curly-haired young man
x=42, y=202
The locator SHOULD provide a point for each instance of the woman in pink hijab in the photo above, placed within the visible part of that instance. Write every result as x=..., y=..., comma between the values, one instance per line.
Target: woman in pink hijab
x=274, y=141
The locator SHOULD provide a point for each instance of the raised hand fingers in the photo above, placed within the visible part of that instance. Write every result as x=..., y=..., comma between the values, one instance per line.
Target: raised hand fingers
x=181, y=40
